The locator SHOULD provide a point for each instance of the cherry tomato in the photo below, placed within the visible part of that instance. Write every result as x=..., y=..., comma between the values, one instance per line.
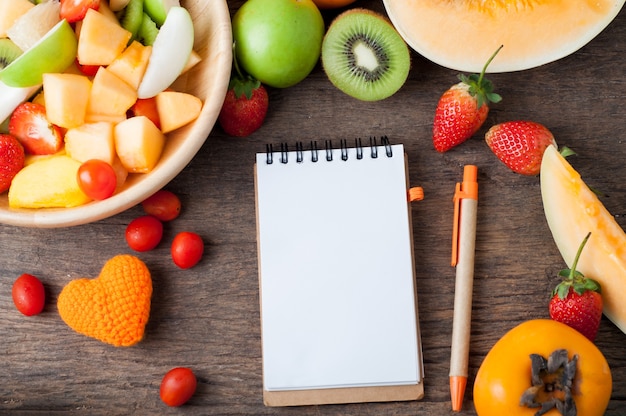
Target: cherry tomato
x=507, y=372
x=89, y=70
x=187, y=249
x=28, y=294
x=164, y=205
x=177, y=386
x=144, y=233
x=97, y=179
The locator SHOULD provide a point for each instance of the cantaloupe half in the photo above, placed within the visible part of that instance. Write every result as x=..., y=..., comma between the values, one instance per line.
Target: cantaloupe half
x=463, y=34
x=573, y=210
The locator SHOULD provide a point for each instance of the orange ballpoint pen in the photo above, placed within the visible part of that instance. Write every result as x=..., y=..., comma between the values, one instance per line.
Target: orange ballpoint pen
x=463, y=247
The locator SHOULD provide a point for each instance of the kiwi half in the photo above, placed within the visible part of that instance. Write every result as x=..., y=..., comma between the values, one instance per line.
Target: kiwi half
x=9, y=52
x=364, y=56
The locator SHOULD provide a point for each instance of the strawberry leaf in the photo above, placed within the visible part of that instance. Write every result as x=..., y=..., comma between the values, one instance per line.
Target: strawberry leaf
x=480, y=87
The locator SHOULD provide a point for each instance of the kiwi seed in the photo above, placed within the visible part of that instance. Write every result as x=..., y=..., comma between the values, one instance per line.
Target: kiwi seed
x=364, y=56
x=9, y=52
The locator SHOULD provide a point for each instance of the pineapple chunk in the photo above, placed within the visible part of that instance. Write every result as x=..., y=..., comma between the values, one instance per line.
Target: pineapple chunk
x=177, y=109
x=100, y=40
x=66, y=97
x=35, y=187
x=10, y=10
x=110, y=95
x=131, y=64
x=91, y=141
x=138, y=143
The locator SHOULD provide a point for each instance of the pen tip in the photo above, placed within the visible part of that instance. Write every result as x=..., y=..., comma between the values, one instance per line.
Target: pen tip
x=457, y=391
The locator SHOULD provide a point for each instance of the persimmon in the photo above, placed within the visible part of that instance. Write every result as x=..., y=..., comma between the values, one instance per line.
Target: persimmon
x=543, y=367
x=332, y=4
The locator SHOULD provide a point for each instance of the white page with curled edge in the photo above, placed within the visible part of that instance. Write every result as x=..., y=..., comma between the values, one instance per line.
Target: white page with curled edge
x=336, y=271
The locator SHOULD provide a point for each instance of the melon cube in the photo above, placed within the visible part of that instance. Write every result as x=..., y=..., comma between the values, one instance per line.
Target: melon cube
x=138, y=143
x=131, y=64
x=101, y=39
x=91, y=141
x=10, y=10
x=110, y=95
x=177, y=109
x=66, y=97
x=47, y=183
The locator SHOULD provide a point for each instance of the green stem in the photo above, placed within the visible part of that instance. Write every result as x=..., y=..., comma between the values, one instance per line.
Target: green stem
x=482, y=74
x=580, y=250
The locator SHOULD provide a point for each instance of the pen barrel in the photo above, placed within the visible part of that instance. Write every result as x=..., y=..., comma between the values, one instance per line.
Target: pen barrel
x=464, y=285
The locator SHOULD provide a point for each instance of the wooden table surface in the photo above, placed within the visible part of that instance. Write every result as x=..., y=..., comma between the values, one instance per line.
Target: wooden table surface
x=207, y=317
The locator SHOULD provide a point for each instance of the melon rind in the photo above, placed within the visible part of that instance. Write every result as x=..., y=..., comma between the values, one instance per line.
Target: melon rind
x=572, y=210
x=462, y=35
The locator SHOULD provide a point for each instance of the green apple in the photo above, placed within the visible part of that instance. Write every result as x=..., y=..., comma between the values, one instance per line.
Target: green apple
x=157, y=9
x=54, y=52
x=278, y=41
x=170, y=53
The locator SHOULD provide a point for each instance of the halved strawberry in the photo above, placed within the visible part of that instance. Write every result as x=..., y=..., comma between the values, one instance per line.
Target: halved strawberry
x=75, y=10
x=11, y=160
x=31, y=128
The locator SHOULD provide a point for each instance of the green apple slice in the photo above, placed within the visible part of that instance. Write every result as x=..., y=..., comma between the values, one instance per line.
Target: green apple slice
x=158, y=9
x=170, y=53
x=52, y=53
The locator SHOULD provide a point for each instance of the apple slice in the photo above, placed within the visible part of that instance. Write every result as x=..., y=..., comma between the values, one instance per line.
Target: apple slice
x=12, y=97
x=53, y=53
x=158, y=9
x=170, y=53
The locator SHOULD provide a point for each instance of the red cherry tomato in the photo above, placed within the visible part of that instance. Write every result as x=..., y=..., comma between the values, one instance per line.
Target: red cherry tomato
x=97, y=179
x=28, y=294
x=187, y=249
x=89, y=70
x=177, y=386
x=164, y=205
x=144, y=233
x=147, y=107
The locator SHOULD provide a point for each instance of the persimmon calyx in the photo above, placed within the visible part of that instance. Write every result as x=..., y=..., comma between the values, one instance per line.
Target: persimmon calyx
x=552, y=381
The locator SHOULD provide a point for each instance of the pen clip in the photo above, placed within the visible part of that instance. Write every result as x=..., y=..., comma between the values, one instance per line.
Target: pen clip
x=467, y=189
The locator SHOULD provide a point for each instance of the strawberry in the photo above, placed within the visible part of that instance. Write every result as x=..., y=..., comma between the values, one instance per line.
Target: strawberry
x=245, y=105
x=463, y=109
x=29, y=125
x=146, y=107
x=11, y=160
x=520, y=145
x=577, y=301
x=75, y=10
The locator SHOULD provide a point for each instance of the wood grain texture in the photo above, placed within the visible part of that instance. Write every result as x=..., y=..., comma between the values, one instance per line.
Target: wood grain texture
x=207, y=317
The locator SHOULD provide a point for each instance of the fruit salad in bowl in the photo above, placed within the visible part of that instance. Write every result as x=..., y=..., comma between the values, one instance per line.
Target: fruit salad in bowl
x=108, y=99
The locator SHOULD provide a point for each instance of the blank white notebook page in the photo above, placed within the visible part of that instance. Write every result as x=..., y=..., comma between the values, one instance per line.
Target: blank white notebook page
x=336, y=271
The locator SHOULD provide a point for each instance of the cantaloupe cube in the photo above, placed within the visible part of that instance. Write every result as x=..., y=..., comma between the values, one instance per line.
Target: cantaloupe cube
x=91, y=141
x=110, y=95
x=100, y=40
x=66, y=97
x=120, y=173
x=131, y=64
x=177, y=109
x=47, y=183
x=138, y=143
x=10, y=10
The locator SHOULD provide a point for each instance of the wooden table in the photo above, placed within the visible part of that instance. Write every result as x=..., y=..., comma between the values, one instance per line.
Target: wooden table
x=208, y=317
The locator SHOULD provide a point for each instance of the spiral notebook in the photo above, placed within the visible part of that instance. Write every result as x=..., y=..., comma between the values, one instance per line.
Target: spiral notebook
x=339, y=318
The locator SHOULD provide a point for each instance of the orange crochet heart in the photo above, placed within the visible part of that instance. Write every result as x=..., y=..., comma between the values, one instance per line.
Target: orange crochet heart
x=114, y=307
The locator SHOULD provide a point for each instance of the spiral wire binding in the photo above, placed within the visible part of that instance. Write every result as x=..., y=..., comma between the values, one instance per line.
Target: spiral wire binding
x=328, y=150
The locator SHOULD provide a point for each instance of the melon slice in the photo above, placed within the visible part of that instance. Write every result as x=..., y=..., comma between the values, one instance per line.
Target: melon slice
x=463, y=34
x=573, y=210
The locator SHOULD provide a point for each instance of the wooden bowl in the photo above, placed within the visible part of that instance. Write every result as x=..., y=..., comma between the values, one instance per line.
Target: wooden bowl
x=208, y=80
